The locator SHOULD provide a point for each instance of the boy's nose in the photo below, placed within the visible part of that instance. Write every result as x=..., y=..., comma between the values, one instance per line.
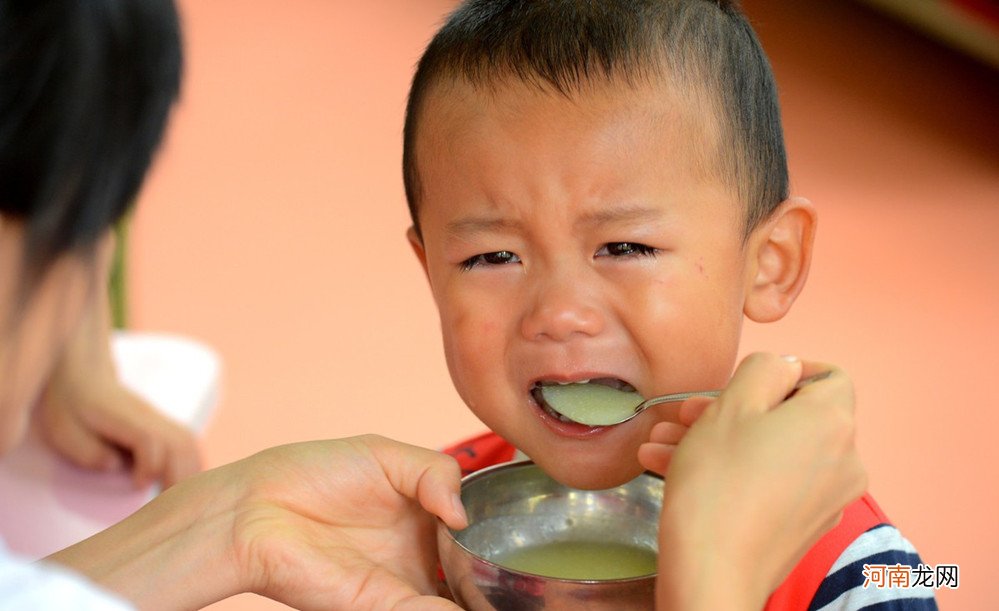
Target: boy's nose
x=562, y=312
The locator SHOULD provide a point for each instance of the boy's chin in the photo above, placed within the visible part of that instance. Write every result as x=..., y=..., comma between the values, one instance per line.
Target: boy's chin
x=588, y=477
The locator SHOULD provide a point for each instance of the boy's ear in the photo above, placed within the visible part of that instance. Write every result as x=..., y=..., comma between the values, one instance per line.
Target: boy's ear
x=417, y=245
x=780, y=253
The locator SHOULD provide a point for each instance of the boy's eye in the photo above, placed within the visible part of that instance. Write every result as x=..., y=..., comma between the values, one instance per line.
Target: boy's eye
x=626, y=249
x=502, y=257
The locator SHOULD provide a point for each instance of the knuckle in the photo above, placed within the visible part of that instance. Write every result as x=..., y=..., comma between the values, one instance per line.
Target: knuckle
x=844, y=440
x=449, y=463
x=836, y=432
x=842, y=385
x=371, y=439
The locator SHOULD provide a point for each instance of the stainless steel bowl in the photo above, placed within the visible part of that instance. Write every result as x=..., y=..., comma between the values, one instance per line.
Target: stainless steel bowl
x=514, y=506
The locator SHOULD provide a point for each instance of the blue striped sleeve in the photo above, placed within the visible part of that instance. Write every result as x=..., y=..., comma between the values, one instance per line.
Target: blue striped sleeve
x=843, y=587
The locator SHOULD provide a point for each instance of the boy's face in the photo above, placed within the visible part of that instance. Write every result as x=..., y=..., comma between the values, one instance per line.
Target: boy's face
x=578, y=238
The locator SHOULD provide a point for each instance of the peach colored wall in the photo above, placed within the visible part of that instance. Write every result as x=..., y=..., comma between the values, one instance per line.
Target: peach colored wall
x=272, y=228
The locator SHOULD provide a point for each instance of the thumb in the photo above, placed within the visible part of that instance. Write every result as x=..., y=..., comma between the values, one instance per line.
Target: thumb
x=432, y=478
x=760, y=382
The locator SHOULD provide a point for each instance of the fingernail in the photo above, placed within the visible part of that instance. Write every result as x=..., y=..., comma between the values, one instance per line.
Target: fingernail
x=459, y=509
x=790, y=358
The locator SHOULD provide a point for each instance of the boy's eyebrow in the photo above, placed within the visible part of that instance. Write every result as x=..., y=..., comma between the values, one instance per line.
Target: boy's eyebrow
x=480, y=224
x=472, y=225
x=621, y=214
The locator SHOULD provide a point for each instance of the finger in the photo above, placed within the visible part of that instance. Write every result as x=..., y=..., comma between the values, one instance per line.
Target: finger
x=70, y=438
x=655, y=456
x=143, y=432
x=823, y=411
x=183, y=458
x=144, y=444
x=761, y=381
x=433, y=478
x=834, y=387
x=667, y=432
x=691, y=409
x=813, y=368
x=149, y=459
x=439, y=491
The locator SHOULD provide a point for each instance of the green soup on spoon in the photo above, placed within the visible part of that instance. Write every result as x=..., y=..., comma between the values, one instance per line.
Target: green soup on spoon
x=591, y=404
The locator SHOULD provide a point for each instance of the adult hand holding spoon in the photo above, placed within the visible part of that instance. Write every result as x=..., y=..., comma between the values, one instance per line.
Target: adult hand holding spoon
x=753, y=480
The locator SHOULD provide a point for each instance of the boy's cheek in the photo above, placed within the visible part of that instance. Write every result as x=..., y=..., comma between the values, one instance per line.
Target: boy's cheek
x=475, y=319
x=472, y=346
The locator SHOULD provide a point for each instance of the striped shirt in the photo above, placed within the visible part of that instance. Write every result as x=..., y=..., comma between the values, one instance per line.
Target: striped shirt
x=843, y=587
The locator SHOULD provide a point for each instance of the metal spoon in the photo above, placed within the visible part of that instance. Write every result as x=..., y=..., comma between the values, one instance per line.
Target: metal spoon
x=683, y=396
x=614, y=409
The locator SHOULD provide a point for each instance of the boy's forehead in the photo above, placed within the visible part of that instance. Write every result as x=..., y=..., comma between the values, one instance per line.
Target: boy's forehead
x=454, y=104
x=460, y=120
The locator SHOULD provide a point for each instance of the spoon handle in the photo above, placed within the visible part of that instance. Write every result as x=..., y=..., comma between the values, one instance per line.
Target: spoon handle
x=683, y=396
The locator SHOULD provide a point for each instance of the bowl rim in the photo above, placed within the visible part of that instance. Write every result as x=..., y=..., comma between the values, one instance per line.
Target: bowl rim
x=520, y=464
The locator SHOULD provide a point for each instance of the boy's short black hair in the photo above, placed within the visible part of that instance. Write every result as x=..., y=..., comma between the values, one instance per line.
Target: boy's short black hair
x=86, y=87
x=703, y=46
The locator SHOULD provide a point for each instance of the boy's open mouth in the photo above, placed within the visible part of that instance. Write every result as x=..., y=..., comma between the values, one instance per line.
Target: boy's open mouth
x=538, y=394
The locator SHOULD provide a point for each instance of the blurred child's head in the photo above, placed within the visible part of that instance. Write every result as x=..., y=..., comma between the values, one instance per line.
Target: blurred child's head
x=85, y=90
x=598, y=192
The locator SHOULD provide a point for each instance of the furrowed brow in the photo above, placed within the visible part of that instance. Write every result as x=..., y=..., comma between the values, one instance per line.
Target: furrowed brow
x=621, y=215
x=471, y=226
